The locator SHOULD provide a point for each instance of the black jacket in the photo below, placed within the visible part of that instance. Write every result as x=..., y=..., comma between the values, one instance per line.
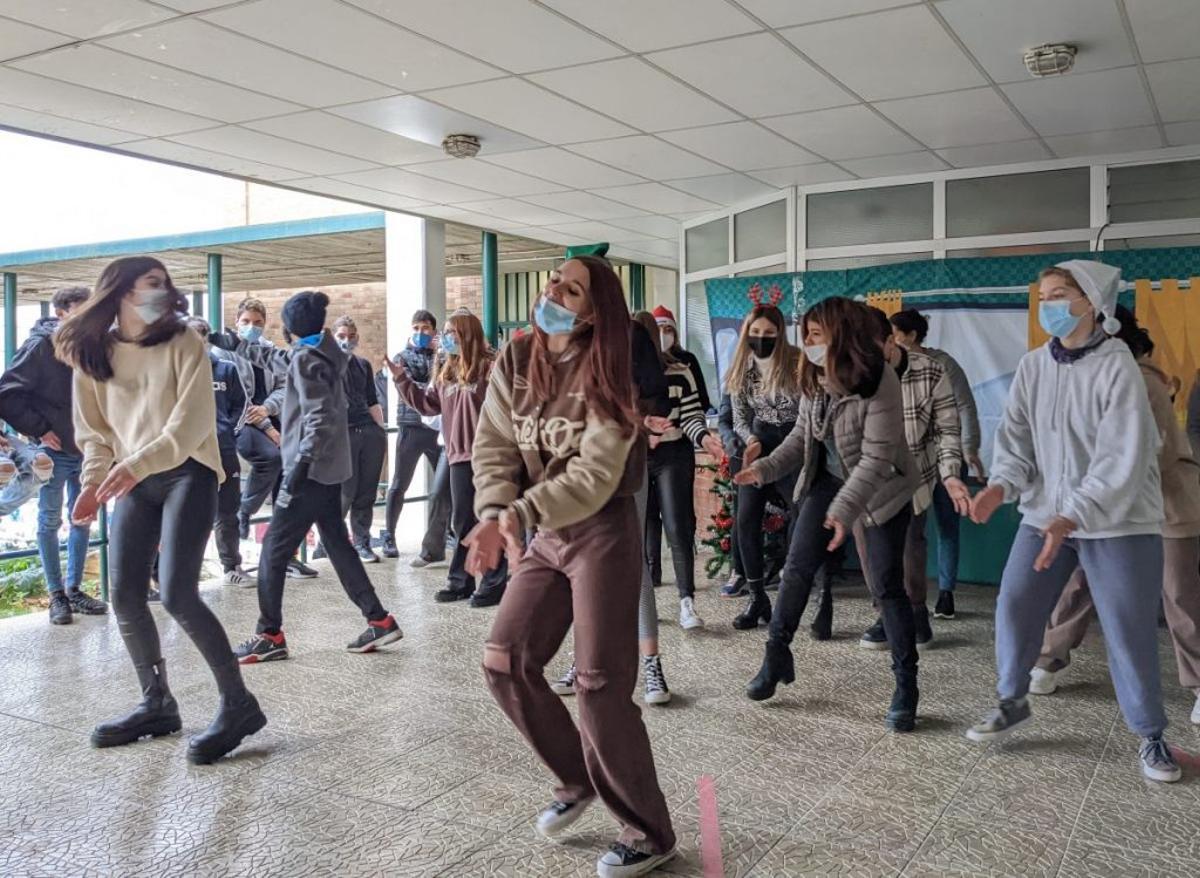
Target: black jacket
x=35, y=392
x=420, y=364
x=648, y=374
x=231, y=402
x=689, y=359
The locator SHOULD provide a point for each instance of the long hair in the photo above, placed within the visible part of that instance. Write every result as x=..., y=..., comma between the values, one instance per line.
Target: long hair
x=85, y=339
x=651, y=326
x=468, y=366
x=853, y=360
x=782, y=373
x=603, y=341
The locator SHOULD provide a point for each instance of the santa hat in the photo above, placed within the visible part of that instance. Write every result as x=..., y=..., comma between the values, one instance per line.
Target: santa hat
x=1100, y=283
x=663, y=317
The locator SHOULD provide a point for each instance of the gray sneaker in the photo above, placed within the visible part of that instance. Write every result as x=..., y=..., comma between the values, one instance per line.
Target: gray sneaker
x=1157, y=762
x=1007, y=717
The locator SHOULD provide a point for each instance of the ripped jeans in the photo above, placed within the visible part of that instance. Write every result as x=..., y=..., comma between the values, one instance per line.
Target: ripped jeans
x=589, y=574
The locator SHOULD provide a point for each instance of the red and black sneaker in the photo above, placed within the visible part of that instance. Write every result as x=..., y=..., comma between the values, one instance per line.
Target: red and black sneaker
x=262, y=647
x=378, y=634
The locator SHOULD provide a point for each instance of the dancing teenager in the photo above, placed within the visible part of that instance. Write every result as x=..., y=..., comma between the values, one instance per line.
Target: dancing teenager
x=558, y=454
x=145, y=420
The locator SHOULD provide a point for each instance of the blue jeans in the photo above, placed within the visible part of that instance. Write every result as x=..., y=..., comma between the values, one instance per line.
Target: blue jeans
x=24, y=484
x=50, y=515
x=947, y=518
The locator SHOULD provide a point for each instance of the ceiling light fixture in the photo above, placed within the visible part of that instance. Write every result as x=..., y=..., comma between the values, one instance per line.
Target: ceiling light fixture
x=461, y=146
x=1051, y=59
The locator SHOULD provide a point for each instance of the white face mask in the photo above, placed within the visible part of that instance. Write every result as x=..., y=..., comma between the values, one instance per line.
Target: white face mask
x=667, y=340
x=150, y=305
x=815, y=354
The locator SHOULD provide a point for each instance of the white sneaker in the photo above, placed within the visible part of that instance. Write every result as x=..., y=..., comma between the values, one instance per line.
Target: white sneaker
x=565, y=685
x=559, y=816
x=1196, y=710
x=625, y=862
x=1157, y=762
x=239, y=577
x=687, y=615
x=656, y=684
x=1043, y=682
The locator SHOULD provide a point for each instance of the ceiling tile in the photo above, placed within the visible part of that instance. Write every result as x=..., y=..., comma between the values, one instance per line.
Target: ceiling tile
x=40, y=123
x=502, y=32
x=196, y=5
x=259, y=147
x=893, y=165
x=1084, y=102
x=344, y=37
x=724, y=188
x=1100, y=142
x=961, y=118
x=654, y=226
x=648, y=156
x=662, y=249
x=522, y=106
x=195, y=45
x=418, y=119
x=1165, y=29
x=316, y=128
x=18, y=39
x=593, y=231
x=364, y=194
x=93, y=107
x=1183, y=133
x=998, y=34
x=414, y=186
x=143, y=80
x=995, y=154
x=490, y=178
x=781, y=13
x=755, y=74
x=583, y=204
x=1176, y=88
x=643, y=27
x=202, y=158
x=892, y=54
x=843, y=133
x=519, y=212
x=85, y=19
x=563, y=167
x=656, y=198
x=631, y=90
x=469, y=218
x=742, y=146
x=802, y=175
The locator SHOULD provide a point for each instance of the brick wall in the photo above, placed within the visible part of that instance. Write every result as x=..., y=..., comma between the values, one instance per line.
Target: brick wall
x=464, y=292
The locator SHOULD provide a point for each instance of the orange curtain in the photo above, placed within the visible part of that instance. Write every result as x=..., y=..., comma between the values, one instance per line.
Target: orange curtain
x=888, y=301
x=1172, y=317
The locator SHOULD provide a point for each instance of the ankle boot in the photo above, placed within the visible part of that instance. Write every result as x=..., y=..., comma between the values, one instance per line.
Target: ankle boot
x=238, y=717
x=758, y=609
x=777, y=667
x=158, y=714
x=902, y=714
x=822, y=623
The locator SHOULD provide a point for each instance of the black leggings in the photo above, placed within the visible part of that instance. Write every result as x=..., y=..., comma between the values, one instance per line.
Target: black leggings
x=672, y=477
x=462, y=492
x=752, y=504
x=171, y=514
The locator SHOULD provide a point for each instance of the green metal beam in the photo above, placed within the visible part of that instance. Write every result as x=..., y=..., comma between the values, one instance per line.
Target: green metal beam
x=637, y=286
x=216, y=310
x=10, y=317
x=44, y=306
x=491, y=298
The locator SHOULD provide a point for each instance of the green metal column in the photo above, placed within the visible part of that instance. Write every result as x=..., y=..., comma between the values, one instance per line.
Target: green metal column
x=216, y=305
x=45, y=308
x=198, y=304
x=491, y=297
x=637, y=286
x=10, y=316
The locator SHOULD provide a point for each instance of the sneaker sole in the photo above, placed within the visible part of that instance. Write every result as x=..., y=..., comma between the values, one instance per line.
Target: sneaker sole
x=390, y=637
x=658, y=698
x=276, y=655
x=159, y=729
x=943, y=615
x=66, y=621
x=643, y=868
x=693, y=625
x=563, y=691
x=564, y=823
x=291, y=575
x=988, y=737
x=1161, y=776
x=875, y=645
x=1042, y=692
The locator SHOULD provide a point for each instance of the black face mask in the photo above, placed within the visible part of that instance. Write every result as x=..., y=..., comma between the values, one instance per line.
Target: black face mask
x=762, y=345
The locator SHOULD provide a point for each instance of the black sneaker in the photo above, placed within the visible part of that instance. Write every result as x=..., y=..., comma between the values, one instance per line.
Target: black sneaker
x=559, y=816
x=319, y=552
x=921, y=625
x=945, y=605
x=453, y=593
x=262, y=648
x=60, y=609
x=298, y=570
x=378, y=634
x=874, y=637
x=488, y=598
x=622, y=861
x=154, y=595
x=365, y=553
x=85, y=604
x=388, y=543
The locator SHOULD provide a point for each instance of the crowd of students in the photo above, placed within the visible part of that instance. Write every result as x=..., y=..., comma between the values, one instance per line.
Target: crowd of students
x=563, y=454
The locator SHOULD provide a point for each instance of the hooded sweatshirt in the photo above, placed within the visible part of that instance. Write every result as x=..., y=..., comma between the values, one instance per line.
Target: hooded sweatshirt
x=1078, y=440
x=458, y=404
x=35, y=391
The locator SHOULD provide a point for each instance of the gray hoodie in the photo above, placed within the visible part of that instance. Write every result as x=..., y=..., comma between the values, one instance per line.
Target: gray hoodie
x=1078, y=440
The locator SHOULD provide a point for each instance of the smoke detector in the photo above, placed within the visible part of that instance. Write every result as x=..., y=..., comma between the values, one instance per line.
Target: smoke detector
x=1052, y=59
x=461, y=146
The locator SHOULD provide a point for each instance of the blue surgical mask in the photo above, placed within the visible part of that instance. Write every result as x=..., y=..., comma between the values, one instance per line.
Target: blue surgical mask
x=153, y=304
x=1056, y=318
x=249, y=333
x=450, y=345
x=552, y=318
x=422, y=340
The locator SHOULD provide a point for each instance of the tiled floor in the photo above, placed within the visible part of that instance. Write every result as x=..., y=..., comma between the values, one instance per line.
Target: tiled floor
x=400, y=764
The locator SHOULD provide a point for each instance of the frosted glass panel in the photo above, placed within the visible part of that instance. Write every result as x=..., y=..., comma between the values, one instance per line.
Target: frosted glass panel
x=871, y=216
x=761, y=231
x=1150, y=243
x=1010, y=203
x=1023, y=250
x=770, y=269
x=707, y=246
x=1154, y=192
x=864, y=261
x=699, y=334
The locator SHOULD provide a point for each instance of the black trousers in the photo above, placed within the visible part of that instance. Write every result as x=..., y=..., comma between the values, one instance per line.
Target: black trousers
x=735, y=467
x=672, y=477
x=462, y=492
x=368, y=448
x=229, y=499
x=807, y=553
x=752, y=503
x=312, y=503
x=413, y=443
x=168, y=514
x=266, y=467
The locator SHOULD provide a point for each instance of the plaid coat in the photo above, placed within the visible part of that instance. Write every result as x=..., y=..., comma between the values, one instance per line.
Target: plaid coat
x=931, y=423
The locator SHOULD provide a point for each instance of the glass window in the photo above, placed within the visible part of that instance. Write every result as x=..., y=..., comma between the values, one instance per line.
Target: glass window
x=707, y=246
x=699, y=332
x=770, y=269
x=870, y=216
x=1023, y=250
x=1011, y=203
x=761, y=231
x=1154, y=192
x=1152, y=242
x=864, y=261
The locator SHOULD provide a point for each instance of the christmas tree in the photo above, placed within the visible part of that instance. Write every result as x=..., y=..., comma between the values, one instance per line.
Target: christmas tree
x=720, y=530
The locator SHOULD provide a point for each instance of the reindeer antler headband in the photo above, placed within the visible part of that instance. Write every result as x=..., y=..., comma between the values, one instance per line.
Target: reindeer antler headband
x=774, y=295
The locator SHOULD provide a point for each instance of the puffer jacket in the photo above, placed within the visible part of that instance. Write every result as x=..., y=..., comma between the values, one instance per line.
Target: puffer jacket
x=419, y=365
x=869, y=436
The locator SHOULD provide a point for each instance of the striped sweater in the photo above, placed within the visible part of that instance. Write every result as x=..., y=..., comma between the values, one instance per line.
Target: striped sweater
x=931, y=423
x=686, y=412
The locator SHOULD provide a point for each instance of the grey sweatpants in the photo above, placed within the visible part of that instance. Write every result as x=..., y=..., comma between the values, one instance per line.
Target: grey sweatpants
x=647, y=606
x=1125, y=575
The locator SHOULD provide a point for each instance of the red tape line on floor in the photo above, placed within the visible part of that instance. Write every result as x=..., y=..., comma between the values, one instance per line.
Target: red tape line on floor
x=710, y=828
x=1186, y=759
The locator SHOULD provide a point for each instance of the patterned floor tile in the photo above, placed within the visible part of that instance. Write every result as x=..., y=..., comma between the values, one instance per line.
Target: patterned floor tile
x=1084, y=860
x=963, y=848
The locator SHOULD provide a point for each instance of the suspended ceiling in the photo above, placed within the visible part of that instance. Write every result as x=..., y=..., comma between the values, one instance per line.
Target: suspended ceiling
x=599, y=121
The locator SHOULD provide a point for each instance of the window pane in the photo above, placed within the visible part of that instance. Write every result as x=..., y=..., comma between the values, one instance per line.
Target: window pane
x=1152, y=242
x=707, y=246
x=1154, y=192
x=871, y=216
x=864, y=261
x=699, y=333
x=1018, y=203
x=760, y=232
x=770, y=269
x=1023, y=250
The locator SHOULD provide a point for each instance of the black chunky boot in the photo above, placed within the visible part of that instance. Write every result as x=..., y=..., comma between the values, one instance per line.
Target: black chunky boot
x=158, y=714
x=902, y=715
x=758, y=609
x=777, y=667
x=238, y=717
x=822, y=623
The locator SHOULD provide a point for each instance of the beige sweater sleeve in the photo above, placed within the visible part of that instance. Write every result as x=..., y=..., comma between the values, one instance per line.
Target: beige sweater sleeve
x=93, y=434
x=495, y=457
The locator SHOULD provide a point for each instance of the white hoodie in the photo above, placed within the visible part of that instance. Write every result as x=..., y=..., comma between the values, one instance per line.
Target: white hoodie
x=1078, y=440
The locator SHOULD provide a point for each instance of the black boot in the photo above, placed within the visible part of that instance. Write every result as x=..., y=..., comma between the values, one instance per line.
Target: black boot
x=158, y=714
x=822, y=623
x=237, y=717
x=777, y=667
x=902, y=715
x=757, y=610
